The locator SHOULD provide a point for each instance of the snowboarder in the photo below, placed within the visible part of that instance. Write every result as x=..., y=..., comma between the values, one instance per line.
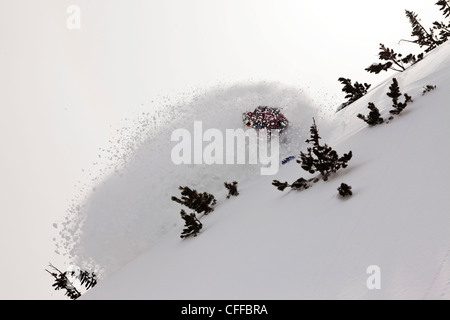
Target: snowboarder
x=265, y=118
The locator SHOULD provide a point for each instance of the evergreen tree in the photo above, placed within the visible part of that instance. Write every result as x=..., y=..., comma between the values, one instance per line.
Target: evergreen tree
x=394, y=91
x=424, y=38
x=443, y=29
x=318, y=158
x=378, y=67
x=354, y=91
x=191, y=223
x=445, y=7
x=374, y=116
x=62, y=281
x=395, y=61
x=199, y=202
x=281, y=185
x=87, y=279
x=395, y=94
x=299, y=185
x=345, y=190
x=428, y=88
x=322, y=158
x=232, y=189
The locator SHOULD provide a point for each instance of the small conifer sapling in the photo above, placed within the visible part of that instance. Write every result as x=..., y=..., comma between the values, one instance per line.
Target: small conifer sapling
x=199, y=202
x=319, y=158
x=345, y=190
x=374, y=118
x=232, y=189
x=62, y=281
x=427, y=89
x=395, y=94
x=192, y=225
x=87, y=279
x=281, y=186
x=299, y=185
x=322, y=158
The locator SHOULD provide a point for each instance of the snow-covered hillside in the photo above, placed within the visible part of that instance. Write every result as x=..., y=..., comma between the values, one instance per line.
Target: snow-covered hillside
x=131, y=209
x=266, y=244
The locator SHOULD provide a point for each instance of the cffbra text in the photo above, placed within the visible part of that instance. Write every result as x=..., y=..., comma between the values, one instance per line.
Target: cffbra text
x=229, y=309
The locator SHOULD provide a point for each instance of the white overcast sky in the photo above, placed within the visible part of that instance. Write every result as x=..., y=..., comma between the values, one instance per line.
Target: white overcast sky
x=62, y=90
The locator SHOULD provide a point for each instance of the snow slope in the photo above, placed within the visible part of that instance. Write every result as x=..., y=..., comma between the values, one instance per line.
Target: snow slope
x=266, y=244
x=130, y=209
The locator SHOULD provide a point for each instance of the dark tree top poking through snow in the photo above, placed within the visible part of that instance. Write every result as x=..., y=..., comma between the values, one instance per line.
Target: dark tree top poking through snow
x=232, y=189
x=374, y=118
x=345, y=190
x=199, y=202
x=191, y=223
x=299, y=185
x=395, y=94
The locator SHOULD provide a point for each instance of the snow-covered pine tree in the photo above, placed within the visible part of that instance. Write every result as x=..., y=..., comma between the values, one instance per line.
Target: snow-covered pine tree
x=199, y=202
x=395, y=61
x=374, y=116
x=424, y=38
x=354, y=91
x=191, y=223
x=345, y=190
x=322, y=158
x=232, y=189
x=395, y=94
